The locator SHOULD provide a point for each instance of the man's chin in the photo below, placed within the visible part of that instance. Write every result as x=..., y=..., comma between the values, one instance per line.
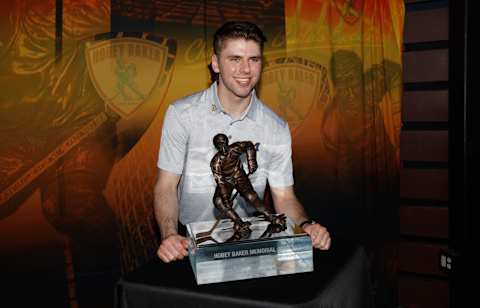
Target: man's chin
x=244, y=93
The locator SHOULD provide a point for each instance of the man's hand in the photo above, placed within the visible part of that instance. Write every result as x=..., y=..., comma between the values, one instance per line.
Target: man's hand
x=173, y=247
x=319, y=235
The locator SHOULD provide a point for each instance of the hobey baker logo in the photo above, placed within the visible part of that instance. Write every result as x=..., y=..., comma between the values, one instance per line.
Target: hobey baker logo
x=125, y=71
x=292, y=86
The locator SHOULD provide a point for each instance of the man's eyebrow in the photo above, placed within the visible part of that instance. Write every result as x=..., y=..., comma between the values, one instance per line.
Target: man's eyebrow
x=240, y=56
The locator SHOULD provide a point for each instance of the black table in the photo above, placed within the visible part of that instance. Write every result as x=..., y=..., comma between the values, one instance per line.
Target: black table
x=340, y=279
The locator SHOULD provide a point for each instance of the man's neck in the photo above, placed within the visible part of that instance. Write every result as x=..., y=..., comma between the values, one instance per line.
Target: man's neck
x=233, y=105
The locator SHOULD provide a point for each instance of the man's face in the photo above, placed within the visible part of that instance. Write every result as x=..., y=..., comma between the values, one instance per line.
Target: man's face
x=239, y=66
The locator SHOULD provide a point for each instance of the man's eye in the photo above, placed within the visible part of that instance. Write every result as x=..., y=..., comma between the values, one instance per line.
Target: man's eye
x=255, y=60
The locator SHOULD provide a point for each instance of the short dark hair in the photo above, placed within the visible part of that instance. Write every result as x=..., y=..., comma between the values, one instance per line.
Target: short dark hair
x=237, y=29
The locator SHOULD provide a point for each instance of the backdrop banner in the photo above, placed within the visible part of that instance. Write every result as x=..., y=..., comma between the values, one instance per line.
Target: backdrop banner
x=85, y=85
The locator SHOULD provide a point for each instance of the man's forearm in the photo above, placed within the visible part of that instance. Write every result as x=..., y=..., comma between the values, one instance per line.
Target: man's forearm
x=294, y=210
x=166, y=212
x=286, y=202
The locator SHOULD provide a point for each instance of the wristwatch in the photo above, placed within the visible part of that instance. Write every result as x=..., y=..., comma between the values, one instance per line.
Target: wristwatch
x=308, y=221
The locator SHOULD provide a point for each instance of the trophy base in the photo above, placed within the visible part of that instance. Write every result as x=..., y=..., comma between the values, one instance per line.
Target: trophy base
x=215, y=260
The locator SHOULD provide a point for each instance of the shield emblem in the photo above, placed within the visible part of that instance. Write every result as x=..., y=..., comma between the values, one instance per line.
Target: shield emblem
x=292, y=87
x=125, y=71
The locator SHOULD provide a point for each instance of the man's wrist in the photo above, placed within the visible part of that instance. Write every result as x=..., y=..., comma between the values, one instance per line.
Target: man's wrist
x=307, y=222
x=168, y=233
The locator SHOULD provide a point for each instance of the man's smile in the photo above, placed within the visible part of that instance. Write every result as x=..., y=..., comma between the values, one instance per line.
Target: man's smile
x=243, y=81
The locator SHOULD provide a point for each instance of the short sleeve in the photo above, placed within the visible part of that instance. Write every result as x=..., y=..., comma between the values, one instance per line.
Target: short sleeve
x=280, y=171
x=173, y=143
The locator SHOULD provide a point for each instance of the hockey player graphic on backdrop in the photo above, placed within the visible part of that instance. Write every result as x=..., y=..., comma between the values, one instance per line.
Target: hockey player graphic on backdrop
x=45, y=99
x=353, y=127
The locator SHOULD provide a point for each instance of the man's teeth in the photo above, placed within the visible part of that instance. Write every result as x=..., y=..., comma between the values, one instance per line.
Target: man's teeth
x=243, y=80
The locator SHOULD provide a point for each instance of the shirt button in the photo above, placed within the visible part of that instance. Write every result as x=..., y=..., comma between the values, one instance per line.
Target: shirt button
x=229, y=136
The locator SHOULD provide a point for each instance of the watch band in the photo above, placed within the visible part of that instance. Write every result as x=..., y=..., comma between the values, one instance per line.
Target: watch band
x=308, y=221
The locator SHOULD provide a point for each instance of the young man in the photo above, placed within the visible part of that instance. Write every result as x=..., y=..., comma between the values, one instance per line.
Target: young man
x=230, y=107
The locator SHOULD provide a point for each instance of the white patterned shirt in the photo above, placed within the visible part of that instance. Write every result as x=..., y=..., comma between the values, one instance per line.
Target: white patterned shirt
x=186, y=149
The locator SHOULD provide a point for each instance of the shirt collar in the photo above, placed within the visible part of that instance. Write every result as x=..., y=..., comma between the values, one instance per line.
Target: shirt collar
x=216, y=106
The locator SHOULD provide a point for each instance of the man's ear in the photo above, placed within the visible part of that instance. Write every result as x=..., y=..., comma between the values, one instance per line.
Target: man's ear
x=215, y=64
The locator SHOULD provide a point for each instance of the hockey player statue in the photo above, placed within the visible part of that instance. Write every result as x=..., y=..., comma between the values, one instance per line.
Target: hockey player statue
x=229, y=174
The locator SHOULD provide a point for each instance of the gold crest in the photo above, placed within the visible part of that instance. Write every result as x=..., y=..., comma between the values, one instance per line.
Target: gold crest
x=292, y=86
x=126, y=70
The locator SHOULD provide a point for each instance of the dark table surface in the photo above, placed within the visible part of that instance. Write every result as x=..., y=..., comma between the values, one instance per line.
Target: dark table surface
x=340, y=279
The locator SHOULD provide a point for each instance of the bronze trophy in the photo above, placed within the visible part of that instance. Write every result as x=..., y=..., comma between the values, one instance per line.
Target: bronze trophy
x=234, y=248
x=229, y=174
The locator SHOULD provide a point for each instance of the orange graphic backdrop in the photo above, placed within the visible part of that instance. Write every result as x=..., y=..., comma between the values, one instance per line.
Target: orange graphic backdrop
x=346, y=147
x=85, y=85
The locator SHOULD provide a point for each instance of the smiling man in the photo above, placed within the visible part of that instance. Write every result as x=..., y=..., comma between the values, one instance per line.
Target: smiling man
x=185, y=185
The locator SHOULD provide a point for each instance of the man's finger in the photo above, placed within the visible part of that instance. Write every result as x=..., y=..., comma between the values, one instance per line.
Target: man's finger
x=163, y=256
x=169, y=247
x=174, y=247
x=327, y=245
x=181, y=250
x=325, y=239
x=312, y=233
x=179, y=246
x=324, y=245
x=185, y=242
x=317, y=242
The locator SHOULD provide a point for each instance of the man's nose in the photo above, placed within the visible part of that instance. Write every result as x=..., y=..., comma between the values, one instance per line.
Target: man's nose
x=245, y=66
